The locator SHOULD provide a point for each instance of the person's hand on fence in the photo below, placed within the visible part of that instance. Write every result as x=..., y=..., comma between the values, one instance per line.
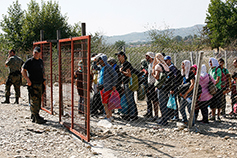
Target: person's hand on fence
x=29, y=82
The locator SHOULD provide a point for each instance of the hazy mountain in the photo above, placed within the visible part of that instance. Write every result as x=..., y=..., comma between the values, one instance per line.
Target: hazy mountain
x=143, y=36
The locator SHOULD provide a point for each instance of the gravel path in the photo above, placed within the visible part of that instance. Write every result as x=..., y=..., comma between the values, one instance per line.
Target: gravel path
x=19, y=137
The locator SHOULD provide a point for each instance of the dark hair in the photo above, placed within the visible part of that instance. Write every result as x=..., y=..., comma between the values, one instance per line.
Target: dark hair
x=94, y=54
x=234, y=75
x=13, y=51
x=221, y=60
x=163, y=54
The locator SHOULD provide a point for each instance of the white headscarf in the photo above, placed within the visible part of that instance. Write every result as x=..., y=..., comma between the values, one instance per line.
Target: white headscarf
x=214, y=62
x=187, y=66
x=203, y=70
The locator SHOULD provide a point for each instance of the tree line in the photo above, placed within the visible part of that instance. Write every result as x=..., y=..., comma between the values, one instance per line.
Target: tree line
x=22, y=27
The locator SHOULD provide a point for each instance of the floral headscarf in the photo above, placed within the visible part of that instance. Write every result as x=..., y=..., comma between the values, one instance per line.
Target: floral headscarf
x=159, y=59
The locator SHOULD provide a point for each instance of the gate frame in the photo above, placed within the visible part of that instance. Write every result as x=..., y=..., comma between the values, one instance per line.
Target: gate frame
x=43, y=100
x=71, y=128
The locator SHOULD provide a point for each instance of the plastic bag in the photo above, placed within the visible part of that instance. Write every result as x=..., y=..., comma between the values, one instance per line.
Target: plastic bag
x=114, y=101
x=124, y=105
x=171, y=102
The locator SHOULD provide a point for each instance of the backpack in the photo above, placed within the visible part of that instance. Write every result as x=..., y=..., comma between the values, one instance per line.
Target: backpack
x=134, y=86
x=224, y=81
x=178, y=77
x=140, y=76
x=96, y=105
x=166, y=80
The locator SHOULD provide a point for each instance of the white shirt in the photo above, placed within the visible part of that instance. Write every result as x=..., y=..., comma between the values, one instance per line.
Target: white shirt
x=151, y=79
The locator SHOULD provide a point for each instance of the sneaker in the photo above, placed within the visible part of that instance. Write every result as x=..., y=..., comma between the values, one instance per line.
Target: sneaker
x=133, y=118
x=108, y=119
x=212, y=118
x=148, y=115
x=112, y=119
x=154, y=119
x=102, y=117
x=218, y=119
x=162, y=124
x=174, y=118
x=204, y=122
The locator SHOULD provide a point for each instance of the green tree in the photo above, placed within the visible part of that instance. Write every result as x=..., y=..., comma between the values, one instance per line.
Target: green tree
x=161, y=39
x=22, y=28
x=12, y=24
x=216, y=28
x=120, y=44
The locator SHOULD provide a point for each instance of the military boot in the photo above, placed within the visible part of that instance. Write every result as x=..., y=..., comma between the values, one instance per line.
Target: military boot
x=37, y=119
x=33, y=117
x=17, y=100
x=6, y=101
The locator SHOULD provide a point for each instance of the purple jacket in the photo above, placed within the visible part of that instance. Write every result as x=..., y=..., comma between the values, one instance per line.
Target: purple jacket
x=205, y=96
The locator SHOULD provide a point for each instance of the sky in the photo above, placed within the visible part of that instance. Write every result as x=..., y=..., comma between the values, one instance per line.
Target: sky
x=119, y=17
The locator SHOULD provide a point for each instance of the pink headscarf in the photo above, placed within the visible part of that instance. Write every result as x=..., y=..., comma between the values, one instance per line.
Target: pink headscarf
x=195, y=66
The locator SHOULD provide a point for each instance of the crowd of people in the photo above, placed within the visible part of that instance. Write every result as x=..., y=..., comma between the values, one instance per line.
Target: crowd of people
x=162, y=80
x=158, y=78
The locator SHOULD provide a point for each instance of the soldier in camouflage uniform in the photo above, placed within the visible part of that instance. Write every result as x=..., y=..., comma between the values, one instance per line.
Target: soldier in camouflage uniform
x=35, y=80
x=14, y=64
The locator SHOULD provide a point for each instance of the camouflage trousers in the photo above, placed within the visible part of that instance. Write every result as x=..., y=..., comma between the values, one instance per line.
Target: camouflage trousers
x=35, y=94
x=14, y=80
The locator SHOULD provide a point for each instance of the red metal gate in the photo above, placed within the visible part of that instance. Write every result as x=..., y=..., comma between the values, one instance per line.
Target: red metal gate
x=71, y=51
x=47, y=98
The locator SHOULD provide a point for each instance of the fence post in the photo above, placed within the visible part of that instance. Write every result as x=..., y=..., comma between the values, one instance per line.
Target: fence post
x=195, y=90
x=191, y=57
x=41, y=35
x=196, y=58
x=226, y=62
x=59, y=76
x=175, y=58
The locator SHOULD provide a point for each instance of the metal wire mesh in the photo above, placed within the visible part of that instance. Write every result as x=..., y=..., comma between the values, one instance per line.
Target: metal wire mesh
x=135, y=56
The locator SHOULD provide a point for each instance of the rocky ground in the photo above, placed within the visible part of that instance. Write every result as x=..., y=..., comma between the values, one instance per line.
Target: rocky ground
x=19, y=137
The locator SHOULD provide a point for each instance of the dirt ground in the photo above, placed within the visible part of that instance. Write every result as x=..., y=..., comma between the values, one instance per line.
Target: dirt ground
x=19, y=137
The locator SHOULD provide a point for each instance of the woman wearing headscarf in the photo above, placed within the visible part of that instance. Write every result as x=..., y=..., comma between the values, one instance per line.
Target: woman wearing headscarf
x=194, y=69
x=163, y=93
x=189, y=79
x=205, y=98
x=215, y=72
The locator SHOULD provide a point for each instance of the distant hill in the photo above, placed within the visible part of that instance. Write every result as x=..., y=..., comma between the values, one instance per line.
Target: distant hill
x=143, y=36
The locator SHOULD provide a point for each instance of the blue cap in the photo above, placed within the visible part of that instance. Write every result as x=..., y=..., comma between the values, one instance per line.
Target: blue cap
x=167, y=57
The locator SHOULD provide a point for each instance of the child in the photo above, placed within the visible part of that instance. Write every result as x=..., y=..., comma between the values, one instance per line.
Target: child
x=79, y=83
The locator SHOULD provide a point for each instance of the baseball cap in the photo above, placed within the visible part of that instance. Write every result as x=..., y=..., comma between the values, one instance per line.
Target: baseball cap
x=120, y=53
x=167, y=57
x=80, y=63
x=112, y=60
x=37, y=49
x=150, y=54
x=97, y=56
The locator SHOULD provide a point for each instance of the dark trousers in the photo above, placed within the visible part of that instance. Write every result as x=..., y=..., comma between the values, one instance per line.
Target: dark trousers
x=202, y=105
x=163, y=100
x=151, y=96
x=132, y=107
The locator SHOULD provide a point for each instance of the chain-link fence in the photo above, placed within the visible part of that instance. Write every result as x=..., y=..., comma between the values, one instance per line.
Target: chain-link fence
x=143, y=112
